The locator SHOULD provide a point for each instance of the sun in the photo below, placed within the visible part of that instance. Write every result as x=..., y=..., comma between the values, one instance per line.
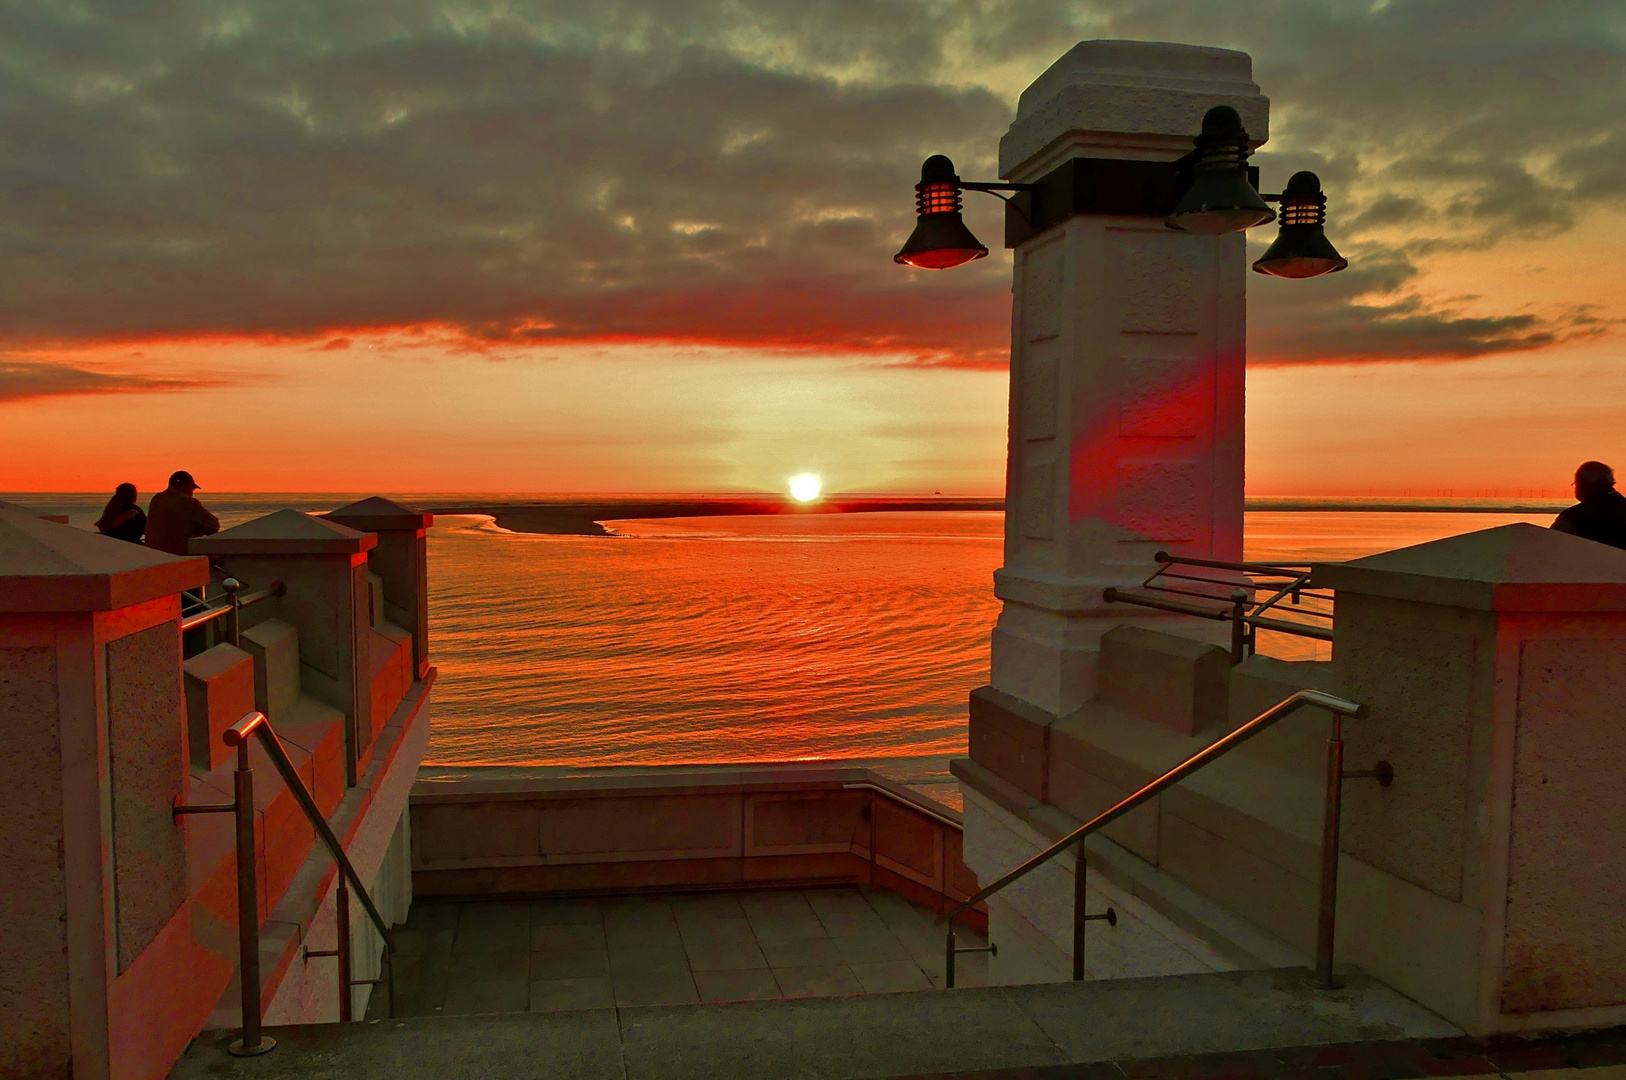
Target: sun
x=806, y=487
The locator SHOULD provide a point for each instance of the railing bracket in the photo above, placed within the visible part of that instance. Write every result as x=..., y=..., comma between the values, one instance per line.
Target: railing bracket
x=180, y=809
x=1383, y=773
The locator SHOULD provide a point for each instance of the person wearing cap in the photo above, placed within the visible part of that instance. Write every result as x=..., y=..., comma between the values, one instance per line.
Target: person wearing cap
x=175, y=516
x=1600, y=511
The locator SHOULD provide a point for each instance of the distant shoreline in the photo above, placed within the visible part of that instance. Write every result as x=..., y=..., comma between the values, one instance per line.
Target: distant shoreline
x=1390, y=505
x=582, y=518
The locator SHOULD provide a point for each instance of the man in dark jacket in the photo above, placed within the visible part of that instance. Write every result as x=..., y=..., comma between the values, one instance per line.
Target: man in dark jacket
x=175, y=516
x=1600, y=513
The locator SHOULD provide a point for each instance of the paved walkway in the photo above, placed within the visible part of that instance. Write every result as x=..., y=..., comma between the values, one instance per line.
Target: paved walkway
x=461, y=958
x=1050, y=1031
x=1586, y=1055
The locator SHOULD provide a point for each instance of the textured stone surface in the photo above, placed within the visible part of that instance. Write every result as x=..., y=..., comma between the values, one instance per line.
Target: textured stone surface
x=1167, y=679
x=33, y=947
x=219, y=692
x=274, y=645
x=49, y=566
x=1145, y=88
x=147, y=752
x=1424, y=713
x=1565, y=937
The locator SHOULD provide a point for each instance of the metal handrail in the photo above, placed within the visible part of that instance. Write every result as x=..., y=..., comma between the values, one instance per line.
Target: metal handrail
x=236, y=601
x=254, y=1041
x=1292, y=582
x=1339, y=707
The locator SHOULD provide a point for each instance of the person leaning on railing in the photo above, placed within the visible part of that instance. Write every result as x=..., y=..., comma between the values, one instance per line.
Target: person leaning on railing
x=1600, y=512
x=122, y=518
x=175, y=516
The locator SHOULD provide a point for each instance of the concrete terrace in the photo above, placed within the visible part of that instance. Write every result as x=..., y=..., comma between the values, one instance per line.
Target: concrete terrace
x=588, y=953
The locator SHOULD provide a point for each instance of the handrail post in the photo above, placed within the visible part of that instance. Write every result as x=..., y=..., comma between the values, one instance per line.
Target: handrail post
x=254, y=1040
x=346, y=988
x=234, y=620
x=1239, y=627
x=948, y=958
x=1080, y=918
x=1326, y=920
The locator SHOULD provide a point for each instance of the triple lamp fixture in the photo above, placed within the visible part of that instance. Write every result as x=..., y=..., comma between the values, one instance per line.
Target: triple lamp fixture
x=1220, y=197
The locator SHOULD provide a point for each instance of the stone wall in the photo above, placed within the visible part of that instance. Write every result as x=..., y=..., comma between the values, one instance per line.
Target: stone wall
x=34, y=1031
x=147, y=754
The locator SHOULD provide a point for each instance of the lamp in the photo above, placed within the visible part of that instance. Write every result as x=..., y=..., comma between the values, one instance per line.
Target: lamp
x=1221, y=199
x=1302, y=249
x=940, y=240
x=1213, y=192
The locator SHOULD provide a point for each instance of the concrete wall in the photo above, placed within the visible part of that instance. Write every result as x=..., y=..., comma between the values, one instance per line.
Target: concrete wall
x=1565, y=939
x=34, y=1028
x=676, y=829
x=147, y=763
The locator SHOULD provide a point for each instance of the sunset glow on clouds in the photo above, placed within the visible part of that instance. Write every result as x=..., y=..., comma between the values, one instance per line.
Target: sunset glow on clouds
x=646, y=245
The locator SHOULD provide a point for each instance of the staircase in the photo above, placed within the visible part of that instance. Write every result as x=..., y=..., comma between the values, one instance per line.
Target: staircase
x=1037, y=1030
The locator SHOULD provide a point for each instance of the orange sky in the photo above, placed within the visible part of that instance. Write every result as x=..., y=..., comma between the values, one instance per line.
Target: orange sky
x=519, y=248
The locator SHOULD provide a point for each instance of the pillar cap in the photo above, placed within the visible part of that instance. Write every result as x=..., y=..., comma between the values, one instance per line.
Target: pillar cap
x=285, y=532
x=1133, y=88
x=1520, y=567
x=378, y=513
x=47, y=566
x=60, y=519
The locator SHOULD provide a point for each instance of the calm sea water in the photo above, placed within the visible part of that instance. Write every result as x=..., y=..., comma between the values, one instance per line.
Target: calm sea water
x=743, y=639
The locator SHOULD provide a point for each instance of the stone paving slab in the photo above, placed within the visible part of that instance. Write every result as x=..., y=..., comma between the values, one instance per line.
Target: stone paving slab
x=1587, y=1055
x=488, y=956
x=1133, y=1024
x=1232, y=1010
x=579, y=1045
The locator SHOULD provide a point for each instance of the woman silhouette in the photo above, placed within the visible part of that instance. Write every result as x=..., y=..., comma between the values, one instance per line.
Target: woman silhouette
x=123, y=519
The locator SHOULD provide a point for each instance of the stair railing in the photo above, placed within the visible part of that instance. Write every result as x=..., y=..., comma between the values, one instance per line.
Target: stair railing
x=1339, y=707
x=231, y=610
x=254, y=1041
x=1229, y=592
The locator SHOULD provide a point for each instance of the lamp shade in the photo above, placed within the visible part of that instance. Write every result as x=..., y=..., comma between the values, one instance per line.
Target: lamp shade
x=1302, y=249
x=940, y=240
x=1221, y=199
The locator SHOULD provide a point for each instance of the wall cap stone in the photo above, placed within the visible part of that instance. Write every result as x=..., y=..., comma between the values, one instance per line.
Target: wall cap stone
x=1519, y=567
x=377, y=514
x=47, y=566
x=285, y=532
x=60, y=519
x=1140, y=88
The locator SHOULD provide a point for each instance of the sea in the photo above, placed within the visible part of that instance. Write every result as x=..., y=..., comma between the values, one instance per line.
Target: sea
x=729, y=640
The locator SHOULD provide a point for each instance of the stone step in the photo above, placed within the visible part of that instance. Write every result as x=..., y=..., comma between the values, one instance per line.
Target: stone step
x=847, y=1038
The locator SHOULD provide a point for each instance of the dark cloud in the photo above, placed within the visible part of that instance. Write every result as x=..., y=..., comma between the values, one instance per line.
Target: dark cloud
x=26, y=380
x=733, y=172
x=1367, y=314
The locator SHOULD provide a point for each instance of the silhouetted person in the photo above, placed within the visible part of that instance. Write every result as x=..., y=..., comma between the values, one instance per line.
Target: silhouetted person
x=1600, y=513
x=175, y=516
x=123, y=519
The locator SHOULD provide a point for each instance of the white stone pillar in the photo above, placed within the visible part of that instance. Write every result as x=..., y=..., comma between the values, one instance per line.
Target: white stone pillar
x=1127, y=350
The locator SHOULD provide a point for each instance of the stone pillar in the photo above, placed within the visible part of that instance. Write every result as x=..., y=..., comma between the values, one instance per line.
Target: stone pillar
x=1127, y=349
x=1486, y=883
x=323, y=568
x=401, y=559
x=92, y=756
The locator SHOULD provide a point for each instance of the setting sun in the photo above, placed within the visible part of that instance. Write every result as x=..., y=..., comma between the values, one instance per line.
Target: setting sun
x=806, y=487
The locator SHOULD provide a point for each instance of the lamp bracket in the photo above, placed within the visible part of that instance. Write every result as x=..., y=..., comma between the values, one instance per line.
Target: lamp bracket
x=1110, y=187
x=972, y=185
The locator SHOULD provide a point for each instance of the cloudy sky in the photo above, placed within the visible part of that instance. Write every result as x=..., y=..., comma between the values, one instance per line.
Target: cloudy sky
x=644, y=245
